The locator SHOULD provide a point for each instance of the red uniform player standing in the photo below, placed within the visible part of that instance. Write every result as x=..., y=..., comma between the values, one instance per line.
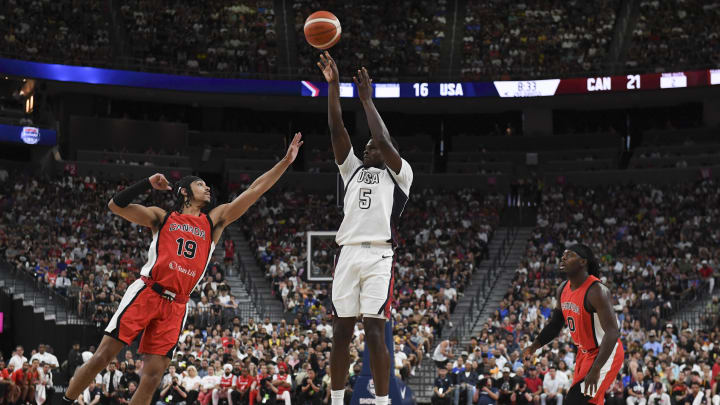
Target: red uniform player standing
x=584, y=305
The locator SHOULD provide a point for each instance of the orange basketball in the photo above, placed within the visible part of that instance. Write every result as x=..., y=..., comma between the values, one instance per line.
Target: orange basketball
x=322, y=29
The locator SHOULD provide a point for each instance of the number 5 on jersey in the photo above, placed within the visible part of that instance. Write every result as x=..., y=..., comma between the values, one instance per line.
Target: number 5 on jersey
x=186, y=248
x=365, y=198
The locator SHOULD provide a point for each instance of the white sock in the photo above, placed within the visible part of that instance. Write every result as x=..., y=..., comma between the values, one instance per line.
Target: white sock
x=337, y=397
x=381, y=400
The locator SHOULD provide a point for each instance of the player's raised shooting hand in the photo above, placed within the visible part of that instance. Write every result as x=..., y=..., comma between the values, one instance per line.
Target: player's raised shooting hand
x=159, y=182
x=329, y=68
x=363, y=82
x=294, y=148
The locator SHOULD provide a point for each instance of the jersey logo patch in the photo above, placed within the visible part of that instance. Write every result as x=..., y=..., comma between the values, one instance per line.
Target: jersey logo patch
x=368, y=177
x=569, y=306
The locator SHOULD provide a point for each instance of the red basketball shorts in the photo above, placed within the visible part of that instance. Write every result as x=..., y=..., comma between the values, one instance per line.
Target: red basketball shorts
x=608, y=372
x=143, y=310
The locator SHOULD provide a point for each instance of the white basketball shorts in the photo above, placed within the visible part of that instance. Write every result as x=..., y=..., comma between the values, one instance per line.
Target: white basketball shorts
x=363, y=281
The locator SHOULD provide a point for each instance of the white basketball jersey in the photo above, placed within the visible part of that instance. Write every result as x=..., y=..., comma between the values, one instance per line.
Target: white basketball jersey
x=374, y=200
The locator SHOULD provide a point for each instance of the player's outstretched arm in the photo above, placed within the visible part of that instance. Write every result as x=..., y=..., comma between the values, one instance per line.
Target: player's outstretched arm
x=380, y=134
x=136, y=213
x=223, y=215
x=339, y=135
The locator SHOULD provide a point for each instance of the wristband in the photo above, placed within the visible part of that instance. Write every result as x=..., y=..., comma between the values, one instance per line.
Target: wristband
x=123, y=198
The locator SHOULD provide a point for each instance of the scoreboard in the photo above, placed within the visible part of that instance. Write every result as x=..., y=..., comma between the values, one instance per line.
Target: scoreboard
x=408, y=90
x=531, y=88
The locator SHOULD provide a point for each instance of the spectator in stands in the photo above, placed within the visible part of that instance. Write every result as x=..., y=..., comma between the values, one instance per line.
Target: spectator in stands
x=46, y=357
x=31, y=379
x=311, y=391
x=653, y=344
x=486, y=392
x=534, y=384
x=5, y=381
x=229, y=246
x=10, y=390
x=444, y=352
x=111, y=384
x=172, y=393
x=74, y=358
x=636, y=390
x=706, y=272
x=209, y=382
x=62, y=283
x=466, y=379
x=241, y=392
x=92, y=395
x=226, y=383
x=126, y=394
x=553, y=387
x=191, y=383
x=17, y=360
x=129, y=376
x=442, y=389
x=614, y=395
x=658, y=396
x=170, y=374
x=44, y=385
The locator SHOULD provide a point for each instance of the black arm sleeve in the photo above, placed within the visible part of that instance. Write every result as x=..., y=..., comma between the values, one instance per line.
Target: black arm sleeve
x=125, y=197
x=552, y=329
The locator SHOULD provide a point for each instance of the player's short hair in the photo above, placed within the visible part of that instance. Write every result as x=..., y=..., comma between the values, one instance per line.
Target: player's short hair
x=586, y=253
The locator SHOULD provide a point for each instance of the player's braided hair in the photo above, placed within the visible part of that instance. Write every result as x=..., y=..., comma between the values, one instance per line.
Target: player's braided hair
x=586, y=253
x=181, y=201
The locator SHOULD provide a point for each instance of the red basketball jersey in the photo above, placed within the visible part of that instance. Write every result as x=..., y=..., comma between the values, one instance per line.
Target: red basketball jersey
x=226, y=381
x=585, y=328
x=180, y=252
x=243, y=382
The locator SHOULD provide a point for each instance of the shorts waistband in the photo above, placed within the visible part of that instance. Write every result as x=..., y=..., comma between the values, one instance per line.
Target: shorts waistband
x=164, y=292
x=369, y=245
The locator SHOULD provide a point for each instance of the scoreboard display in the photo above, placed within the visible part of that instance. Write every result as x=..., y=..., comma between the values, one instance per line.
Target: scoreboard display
x=529, y=88
x=318, y=88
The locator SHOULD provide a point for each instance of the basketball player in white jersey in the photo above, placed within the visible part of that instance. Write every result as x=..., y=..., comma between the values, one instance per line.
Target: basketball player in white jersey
x=376, y=190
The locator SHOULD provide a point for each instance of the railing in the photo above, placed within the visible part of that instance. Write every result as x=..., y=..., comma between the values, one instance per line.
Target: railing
x=621, y=24
x=65, y=308
x=257, y=299
x=678, y=309
x=480, y=294
x=484, y=288
x=204, y=317
x=60, y=306
x=706, y=318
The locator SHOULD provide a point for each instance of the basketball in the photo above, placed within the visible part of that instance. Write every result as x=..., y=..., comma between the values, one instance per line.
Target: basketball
x=322, y=29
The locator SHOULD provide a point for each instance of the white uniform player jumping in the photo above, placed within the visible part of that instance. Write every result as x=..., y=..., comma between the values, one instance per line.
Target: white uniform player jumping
x=376, y=191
